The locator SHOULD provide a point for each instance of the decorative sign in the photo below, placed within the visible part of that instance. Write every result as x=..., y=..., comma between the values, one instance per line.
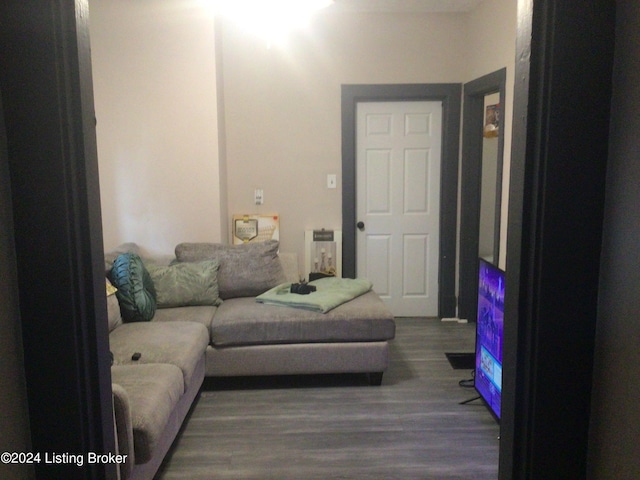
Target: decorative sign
x=323, y=253
x=323, y=235
x=492, y=121
x=245, y=229
x=255, y=228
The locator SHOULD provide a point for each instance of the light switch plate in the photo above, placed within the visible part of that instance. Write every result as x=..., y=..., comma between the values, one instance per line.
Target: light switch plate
x=332, y=180
x=259, y=196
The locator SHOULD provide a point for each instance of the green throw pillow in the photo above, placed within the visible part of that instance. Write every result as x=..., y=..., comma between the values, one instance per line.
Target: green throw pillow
x=186, y=284
x=136, y=294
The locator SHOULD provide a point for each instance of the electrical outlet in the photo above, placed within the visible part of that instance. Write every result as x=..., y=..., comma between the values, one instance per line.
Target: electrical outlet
x=259, y=196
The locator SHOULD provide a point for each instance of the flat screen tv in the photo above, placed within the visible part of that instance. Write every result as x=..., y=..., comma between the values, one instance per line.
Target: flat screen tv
x=489, y=334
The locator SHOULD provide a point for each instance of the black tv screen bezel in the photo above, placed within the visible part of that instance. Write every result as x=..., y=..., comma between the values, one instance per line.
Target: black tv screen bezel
x=476, y=362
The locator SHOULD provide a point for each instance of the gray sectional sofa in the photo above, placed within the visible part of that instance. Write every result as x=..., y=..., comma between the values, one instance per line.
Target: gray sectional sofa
x=159, y=365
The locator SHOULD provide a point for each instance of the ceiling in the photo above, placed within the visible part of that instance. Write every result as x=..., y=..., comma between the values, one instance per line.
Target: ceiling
x=408, y=6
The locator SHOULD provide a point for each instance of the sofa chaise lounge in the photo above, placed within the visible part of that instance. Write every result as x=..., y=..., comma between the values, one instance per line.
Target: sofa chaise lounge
x=206, y=322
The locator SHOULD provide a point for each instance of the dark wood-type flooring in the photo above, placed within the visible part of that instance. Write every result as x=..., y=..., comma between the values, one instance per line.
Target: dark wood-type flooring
x=334, y=427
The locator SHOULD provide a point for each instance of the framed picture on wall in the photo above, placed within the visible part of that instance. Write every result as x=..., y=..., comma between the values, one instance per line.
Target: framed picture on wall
x=323, y=253
x=492, y=121
x=250, y=228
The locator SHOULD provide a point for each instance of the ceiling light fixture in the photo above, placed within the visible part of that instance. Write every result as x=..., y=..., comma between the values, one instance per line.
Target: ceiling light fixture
x=270, y=19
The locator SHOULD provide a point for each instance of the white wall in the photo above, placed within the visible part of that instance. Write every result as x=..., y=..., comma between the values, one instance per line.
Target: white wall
x=283, y=104
x=163, y=179
x=487, y=189
x=156, y=106
x=491, y=45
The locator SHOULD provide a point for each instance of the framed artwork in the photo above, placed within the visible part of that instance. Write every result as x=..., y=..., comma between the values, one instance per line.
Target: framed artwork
x=249, y=228
x=323, y=253
x=492, y=121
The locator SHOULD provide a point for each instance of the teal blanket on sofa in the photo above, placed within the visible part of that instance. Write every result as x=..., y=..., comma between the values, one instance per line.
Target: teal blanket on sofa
x=330, y=293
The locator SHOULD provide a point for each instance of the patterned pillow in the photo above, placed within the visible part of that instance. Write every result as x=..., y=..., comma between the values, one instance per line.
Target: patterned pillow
x=245, y=270
x=113, y=308
x=136, y=295
x=185, y=284
x=110, y=289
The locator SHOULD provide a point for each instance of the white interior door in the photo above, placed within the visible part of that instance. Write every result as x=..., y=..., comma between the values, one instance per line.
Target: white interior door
x=398, y=156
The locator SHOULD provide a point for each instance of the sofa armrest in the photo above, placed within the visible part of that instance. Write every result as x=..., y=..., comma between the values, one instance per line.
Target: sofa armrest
x=124, y=429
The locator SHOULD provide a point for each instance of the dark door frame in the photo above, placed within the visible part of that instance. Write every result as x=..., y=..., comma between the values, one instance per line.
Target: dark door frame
x=450, y=96
x=471, y=186
x=564, y=63
x=46, y=82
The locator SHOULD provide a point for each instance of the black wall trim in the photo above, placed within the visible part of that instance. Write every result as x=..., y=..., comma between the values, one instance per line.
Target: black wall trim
x=450, y=95
x=45, y=76
x=564, y=59
x=470, y=186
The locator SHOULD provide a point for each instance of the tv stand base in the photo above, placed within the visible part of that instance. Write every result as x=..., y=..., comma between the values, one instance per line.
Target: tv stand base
x=470, y=400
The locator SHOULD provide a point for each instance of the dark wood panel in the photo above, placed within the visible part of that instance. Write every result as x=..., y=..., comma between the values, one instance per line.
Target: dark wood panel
x=564, y=56
x=45, y=77
x=337, y=427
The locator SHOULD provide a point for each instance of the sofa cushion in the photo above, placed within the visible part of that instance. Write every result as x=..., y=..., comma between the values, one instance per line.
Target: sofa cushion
x=198, y=314
x=136, y=294
x=113, y=308
x=124, y=428
x=245, y=270
x=243, y=321
x=153, y=391
x=179, y=343
x=185, y=284
x=113, y=313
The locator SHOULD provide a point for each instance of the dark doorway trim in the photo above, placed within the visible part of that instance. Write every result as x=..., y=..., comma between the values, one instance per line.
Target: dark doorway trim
x=450, y=95
x=46, y=82
x=471, y=186
x=564, y=57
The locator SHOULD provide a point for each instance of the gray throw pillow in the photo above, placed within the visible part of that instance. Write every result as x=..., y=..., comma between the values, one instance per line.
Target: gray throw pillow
x=186, y=284
x=245, y=270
